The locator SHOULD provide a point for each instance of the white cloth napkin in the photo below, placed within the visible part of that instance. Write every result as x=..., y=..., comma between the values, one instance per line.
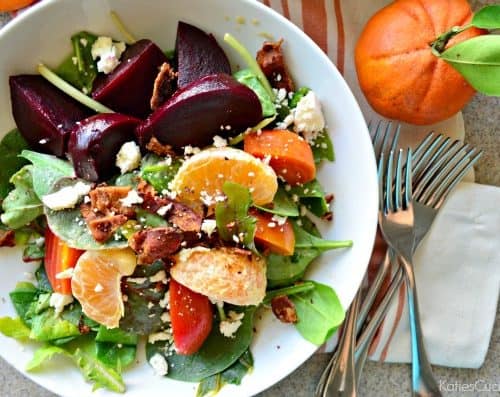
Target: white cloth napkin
x=458, y=264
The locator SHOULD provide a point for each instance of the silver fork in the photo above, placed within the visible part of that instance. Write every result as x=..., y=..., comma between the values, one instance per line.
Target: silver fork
x=396, y=220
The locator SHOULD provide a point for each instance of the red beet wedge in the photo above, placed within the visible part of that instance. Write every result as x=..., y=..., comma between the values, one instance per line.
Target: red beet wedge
x=43, y=113
x=129, y=87
x=198, y=55
x=213, y=105
x=95, y=142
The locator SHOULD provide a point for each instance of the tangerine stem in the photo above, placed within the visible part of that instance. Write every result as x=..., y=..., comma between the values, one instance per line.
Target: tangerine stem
x=439, y=45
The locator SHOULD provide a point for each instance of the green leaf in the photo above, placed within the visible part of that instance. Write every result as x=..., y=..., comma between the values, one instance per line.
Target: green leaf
x=79, y=69
x=297, y=96
x=47, y=170
x=11, y=145
x=285, y=270
x=115, y=356
x=44, y=354
x=21, y=206
x=47, y=326
x=304, y=239
x=234, y=213
x=478, y=60
x=42, y=279
x=140, y=317
x=33, y=251
x=158, y=171
x=22, y=297
x=14, y=328
x=319, y=312
x=95, y=371
x=149, y=220
x=295, y=289
x=282, y=205
x=311, y=195
x=216, y=354
x=487, y=17
x=322, y=148
x=250, y=79
x=116, y=336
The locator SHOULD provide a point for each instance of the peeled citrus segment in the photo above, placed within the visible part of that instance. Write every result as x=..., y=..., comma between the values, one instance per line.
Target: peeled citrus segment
x=200, y=179
x=96, y=283
x=223, y=274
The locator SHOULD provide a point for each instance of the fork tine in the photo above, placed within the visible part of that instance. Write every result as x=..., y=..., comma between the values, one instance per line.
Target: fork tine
x=388, y=181
x=443, y=155
x=382, y=138
x=454, y=176
x=426, y=146
x=398, y=184
x=408, y=179
x=381, y=181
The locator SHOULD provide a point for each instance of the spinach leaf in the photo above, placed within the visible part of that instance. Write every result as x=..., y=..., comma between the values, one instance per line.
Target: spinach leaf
x=311, y=195
x=79, y=69
x=285, y=270
x=33, y=251
x=304, y=239
x=217, y=353
x=21, y=205
x=42, y=355
x=320, y=313
x=140, y=317
x=47, y=170
x=14, y=328
x=308, y=225
x=158, y=171
x=22, y=298
x=322, y=148
x=282, y=205
x=11, y=146
x=48, y=326
x=232, y=375
x=250, y=79
x=232, y=215
x=128, y=179
x=96, y=371
x=116, y=336
x=297, y=96
x=115, y=356
x=42, y=279
x=148, y=219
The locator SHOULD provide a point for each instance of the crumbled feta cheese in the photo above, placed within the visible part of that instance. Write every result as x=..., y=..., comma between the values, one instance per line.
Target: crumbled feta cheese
x=131, y=199
x=271, y=224
x=208, y=226
x=137, y=280
x=67, y=197
x=206, y=198
x=191, y=150
x=280, y=220
x=159, y=336
x=287, y=122
x=160, y=276
x=58, y=301
x=219, y=141
x=68, y=273
x=229, y=326
x=99, y=288
x=128, y=157
x=162, y=211
x=159, y=364
x=308, y=117
x=109, y=54
x=236, y=239
x=166, y=299
x=165, y=317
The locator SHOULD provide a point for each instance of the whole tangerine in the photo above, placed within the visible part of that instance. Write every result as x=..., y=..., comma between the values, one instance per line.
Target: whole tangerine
x=399, y=74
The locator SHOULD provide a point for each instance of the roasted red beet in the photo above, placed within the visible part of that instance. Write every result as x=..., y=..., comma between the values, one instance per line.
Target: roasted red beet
x=213, y=105
x=198, y=55
x=44, y=114
x=129, y=87
x=95, y=142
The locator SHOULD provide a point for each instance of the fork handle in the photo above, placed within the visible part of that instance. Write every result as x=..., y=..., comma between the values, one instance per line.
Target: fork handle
x=423, y=381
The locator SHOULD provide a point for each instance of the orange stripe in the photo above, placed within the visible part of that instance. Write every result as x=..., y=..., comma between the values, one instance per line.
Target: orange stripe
x=267, y=3
x=286, y=9
x=340, y=36
x=315, y=21
x=399, y=313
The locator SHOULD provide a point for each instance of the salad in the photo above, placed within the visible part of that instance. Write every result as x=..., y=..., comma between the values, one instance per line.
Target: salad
x=167, y=198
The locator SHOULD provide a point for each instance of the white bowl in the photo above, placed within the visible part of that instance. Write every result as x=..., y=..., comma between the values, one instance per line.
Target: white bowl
x=42, y=34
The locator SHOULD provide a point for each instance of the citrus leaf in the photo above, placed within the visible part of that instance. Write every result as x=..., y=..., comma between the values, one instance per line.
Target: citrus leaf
x=487, y=17
x=478, y=60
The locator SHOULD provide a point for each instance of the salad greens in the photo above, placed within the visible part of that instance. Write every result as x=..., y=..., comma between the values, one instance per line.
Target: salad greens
x=158, y=171
x=11, y=145
x=282, y=205
x=251, y=80
x=311, y=195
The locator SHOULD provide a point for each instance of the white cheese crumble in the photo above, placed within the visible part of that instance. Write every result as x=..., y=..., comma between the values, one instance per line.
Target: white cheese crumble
x=67, y=197
x=219, y=141
x=131, y=199
x=165, y=317
x=162, y=211
x=208, y=226
x=99, y=288
x=158, y=337
x=191, y=150
x=68, y=273
x=128, y=157
x=165, y=301
x=109, y=54
x=58, y=301
x=229, y=326
x=160, y=276
x=159, y=364
x=308, y=117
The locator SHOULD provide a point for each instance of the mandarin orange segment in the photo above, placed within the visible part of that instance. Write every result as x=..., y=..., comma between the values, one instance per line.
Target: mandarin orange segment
x=96, y=283
x=200, y=179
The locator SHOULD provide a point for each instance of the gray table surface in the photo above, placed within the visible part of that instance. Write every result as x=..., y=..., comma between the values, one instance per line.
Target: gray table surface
x=482, y=125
